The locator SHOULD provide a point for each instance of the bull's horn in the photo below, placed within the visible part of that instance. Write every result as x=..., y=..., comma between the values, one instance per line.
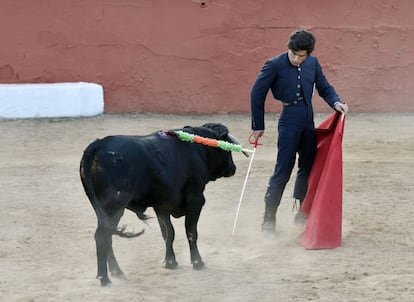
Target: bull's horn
x=233, y=140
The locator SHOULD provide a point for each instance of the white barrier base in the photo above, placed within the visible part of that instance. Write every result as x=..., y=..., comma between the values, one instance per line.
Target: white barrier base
x=51, y=100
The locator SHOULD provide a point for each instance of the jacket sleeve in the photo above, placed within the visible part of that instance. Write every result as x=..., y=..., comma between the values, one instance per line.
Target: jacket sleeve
x=259, y=92
x=325, y=90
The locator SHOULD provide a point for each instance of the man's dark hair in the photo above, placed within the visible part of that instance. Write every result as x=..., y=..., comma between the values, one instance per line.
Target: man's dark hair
x=301, y=39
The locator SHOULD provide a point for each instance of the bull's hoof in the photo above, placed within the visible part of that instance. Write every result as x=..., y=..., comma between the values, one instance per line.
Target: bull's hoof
x=118, y=273
x=170, y=264
x=198, y=265
x=104, y=280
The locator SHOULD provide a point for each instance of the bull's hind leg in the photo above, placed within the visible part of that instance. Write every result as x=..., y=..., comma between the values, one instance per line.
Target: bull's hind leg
x=168, y=234
x=191, y=221
x=104, y=251
x=113, y=264
x=103, y=243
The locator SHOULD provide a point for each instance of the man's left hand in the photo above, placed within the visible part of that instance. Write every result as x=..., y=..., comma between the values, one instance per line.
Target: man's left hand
x=341, y=107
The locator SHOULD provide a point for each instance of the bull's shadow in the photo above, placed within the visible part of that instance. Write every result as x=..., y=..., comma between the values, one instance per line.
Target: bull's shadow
x=157, y=170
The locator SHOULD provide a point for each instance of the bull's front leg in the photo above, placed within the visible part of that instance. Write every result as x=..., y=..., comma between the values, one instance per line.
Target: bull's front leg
x=191, y=220
x=168, y=234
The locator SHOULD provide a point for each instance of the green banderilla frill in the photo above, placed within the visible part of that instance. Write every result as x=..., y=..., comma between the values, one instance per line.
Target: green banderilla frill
x=227, y=146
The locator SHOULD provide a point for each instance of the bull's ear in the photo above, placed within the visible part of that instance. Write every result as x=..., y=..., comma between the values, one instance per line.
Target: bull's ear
x=219, y=129
x=188, y=129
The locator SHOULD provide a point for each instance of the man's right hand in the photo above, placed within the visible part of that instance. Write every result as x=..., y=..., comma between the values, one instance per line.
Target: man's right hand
x=256, y=134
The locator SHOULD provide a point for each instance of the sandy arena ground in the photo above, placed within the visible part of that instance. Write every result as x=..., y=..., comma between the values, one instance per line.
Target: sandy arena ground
x=47, y=250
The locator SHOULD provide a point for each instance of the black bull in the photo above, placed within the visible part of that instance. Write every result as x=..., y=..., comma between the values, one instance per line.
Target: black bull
x=158, y=171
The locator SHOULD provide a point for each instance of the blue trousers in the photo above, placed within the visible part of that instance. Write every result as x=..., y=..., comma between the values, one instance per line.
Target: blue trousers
x=296, y=136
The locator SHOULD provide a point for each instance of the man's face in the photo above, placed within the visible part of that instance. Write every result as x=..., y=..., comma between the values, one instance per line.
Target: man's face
x=297, y=57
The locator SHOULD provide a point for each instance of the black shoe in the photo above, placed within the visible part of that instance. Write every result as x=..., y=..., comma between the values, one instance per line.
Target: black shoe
x=268, y=226
x=300, y=218
x=269, y=220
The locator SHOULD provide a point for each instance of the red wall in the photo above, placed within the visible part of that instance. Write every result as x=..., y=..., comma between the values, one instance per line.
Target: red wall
x=177, y=56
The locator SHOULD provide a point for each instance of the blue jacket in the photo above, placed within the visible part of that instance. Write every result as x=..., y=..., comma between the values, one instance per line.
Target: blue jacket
x=287, y=82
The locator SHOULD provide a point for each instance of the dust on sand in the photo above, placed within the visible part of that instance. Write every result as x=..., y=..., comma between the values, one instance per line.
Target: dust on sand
x=47, y=250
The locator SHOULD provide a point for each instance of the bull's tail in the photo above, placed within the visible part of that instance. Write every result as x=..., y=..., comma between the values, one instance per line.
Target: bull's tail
x=85, y=171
